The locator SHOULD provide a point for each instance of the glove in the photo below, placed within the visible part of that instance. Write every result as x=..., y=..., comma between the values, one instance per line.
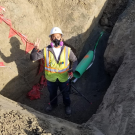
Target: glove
x=70, y=74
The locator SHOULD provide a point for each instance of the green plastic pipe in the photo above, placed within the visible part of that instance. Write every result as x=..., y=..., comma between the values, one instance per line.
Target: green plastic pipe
x=86, y=61
x=82, y=66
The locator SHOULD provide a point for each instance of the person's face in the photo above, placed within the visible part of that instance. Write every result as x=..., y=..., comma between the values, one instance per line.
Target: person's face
x=56, y=36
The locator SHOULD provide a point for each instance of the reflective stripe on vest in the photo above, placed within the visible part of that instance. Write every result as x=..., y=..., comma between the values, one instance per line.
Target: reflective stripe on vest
x=66, y=58
x=54, y=70
x=47, y=58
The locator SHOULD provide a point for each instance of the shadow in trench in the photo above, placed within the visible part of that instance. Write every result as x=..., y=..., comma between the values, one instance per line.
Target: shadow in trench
x=18, y=86
x=10, y=89
x=95, y=81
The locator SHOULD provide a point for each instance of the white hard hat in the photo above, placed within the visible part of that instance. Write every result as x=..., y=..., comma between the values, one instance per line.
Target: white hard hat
x=55, y=30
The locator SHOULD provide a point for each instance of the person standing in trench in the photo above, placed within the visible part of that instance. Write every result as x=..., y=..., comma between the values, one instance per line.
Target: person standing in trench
x=57, y=59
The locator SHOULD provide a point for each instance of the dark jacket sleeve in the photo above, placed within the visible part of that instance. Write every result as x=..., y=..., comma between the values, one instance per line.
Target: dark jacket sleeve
x=73, y=60
x=36, y=55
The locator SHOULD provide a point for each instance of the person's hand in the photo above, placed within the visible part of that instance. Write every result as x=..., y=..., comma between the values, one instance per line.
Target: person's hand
x=70, y=75
x=36, y=45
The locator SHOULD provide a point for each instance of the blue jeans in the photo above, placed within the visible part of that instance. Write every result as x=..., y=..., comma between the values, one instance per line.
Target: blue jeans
x=64, y=88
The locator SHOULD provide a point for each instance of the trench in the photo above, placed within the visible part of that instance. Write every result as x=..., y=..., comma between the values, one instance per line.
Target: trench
x=94, y=82
x=93, y=85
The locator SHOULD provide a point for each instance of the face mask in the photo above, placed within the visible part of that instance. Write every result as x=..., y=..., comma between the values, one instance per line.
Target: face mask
x=52, y=44
x=56, y=42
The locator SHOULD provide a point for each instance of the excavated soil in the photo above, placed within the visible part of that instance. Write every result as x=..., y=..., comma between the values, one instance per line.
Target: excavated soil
x=18, y=119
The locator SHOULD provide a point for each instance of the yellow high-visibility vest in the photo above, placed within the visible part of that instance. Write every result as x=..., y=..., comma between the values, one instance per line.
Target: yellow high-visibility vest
x=54, y=70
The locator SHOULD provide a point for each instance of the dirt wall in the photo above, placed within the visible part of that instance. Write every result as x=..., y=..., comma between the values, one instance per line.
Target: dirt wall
x=116, y=113
x=35, y=19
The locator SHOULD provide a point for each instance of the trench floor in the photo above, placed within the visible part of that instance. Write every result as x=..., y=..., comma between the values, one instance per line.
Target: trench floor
x=93, y=85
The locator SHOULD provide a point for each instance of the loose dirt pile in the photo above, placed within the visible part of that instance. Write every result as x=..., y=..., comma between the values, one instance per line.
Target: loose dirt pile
x=18, y=119
x=14, y=122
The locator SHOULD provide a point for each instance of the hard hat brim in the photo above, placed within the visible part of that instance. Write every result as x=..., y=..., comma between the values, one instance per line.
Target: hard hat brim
x=57, y=33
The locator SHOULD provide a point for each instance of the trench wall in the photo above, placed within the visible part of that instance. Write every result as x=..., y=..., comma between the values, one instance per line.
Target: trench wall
x=115, y=115
x=35, y=19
